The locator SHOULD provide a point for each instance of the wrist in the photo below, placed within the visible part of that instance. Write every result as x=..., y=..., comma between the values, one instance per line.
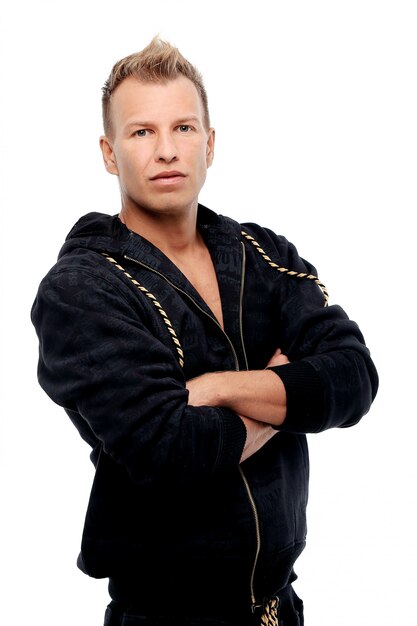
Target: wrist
x=219, y=385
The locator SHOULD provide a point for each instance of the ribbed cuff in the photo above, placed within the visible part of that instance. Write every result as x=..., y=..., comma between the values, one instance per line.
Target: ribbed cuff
x=233, y=441
x=305, y=397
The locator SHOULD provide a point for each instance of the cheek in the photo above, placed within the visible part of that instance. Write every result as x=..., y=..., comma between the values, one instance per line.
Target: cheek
x=200, y=159
x=132, y=165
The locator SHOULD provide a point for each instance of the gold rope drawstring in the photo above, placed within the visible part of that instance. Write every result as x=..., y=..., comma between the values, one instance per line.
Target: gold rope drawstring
x=284, y=270
x=150, y=295
x=270, y=615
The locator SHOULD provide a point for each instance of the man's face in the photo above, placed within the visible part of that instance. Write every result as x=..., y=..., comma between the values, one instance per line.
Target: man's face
x=159, y=147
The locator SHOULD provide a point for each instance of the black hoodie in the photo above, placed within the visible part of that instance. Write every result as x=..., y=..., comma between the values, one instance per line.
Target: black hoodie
x=121, y=330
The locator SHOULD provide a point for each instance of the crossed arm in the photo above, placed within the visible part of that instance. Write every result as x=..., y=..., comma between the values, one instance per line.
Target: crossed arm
x=257, y=396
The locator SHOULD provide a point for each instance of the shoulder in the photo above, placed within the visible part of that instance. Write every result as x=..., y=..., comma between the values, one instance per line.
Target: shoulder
x=79, y=262
x=282, y=256
x=88, y=280
x=276, y=247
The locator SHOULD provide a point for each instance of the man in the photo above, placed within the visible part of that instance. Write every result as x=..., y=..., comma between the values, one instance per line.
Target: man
x=192, y=354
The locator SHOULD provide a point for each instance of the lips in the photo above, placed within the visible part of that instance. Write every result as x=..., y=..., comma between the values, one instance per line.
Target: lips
x=172, y=174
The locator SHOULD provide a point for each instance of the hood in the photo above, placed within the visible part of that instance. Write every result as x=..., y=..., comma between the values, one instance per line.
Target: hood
x=96, y=231
x=106, y=233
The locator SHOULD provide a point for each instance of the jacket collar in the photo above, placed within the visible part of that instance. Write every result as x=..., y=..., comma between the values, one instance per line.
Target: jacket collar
x=214, y=228
x=224, y=231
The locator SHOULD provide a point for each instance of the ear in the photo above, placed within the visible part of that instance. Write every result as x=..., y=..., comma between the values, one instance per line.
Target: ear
x=108, y=155
x=210, y=146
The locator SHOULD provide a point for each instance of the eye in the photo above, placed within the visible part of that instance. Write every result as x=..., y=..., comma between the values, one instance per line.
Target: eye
x=142, y=132
x=184, y=128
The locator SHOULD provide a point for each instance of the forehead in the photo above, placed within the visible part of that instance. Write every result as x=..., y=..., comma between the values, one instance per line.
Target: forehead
x=154, y=101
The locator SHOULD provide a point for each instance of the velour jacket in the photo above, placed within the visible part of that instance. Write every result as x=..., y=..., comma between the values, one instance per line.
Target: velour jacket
x=121, y=330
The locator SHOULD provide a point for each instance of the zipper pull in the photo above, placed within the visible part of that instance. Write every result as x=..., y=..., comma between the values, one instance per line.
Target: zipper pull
x=254, y=607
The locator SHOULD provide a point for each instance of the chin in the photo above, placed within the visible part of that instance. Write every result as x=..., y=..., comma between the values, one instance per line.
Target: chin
x=169, y=206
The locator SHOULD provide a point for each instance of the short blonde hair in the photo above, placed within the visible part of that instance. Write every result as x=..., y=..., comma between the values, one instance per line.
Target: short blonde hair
x=158, y=62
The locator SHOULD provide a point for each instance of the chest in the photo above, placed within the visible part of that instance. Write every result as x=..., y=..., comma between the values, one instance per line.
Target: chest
x=245, y=311
x=202, y=276
x=240, y=297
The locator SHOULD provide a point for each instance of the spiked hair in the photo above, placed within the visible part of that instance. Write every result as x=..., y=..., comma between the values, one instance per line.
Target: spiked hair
x=158, y=62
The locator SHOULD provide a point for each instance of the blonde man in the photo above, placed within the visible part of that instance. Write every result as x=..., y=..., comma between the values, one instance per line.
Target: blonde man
x=193, y=354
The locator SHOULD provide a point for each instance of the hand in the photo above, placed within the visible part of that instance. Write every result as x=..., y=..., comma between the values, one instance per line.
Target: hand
x=258, y=434
x=277, y=359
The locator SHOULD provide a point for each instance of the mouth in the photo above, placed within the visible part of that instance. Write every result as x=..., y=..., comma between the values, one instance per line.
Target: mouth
x=171, y=176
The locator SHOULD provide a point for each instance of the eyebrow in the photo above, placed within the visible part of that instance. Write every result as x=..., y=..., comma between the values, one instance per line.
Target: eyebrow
x=181, y=120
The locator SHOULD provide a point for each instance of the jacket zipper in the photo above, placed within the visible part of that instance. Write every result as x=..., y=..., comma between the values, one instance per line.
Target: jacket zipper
x=258, y=538
x=193, y=301
x=245, y=481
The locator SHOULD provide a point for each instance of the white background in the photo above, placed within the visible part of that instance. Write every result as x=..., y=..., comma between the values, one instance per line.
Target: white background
x=314, y=103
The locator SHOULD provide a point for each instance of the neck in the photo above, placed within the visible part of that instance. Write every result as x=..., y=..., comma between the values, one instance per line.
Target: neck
x=174, y=234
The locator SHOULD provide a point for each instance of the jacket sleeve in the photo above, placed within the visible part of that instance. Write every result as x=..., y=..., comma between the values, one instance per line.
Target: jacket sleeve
x=98, y=360
x=331, y=380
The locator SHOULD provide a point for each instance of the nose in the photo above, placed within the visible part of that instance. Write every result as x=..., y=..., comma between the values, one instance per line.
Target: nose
x=166, y=149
